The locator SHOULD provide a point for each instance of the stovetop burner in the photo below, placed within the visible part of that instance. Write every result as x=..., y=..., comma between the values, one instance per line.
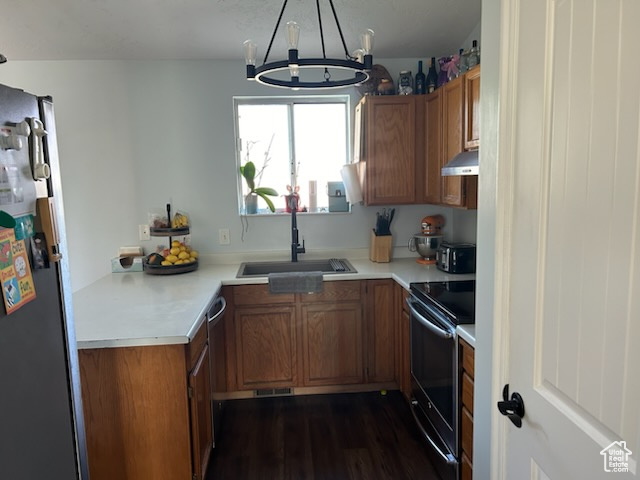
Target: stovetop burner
x=455, y=299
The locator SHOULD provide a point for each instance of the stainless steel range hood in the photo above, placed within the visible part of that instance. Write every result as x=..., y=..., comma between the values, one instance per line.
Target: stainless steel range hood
x=465, y=163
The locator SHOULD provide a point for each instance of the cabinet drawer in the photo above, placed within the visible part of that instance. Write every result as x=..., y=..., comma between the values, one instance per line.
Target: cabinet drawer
x=466, y=354
x=467, y=392
x=466, y=432
x=259, y=295
x=194, y=348
x=334, y=291
x=466, y=467
x=405, y=295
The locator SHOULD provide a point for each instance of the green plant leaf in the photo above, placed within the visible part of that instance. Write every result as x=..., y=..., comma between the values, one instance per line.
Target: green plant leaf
x=266, y=199
x=266, y=191
x=248, y=171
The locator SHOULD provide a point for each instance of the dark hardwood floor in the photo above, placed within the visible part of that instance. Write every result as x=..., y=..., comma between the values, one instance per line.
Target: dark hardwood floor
x=356, y=436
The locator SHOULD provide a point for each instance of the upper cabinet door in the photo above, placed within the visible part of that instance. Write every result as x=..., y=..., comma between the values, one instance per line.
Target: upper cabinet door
x=432, y=138
x=390, y=150
x=472, y=109
x=452, y=139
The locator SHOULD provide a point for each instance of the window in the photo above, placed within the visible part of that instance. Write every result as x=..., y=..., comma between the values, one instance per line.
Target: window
x=297, y=144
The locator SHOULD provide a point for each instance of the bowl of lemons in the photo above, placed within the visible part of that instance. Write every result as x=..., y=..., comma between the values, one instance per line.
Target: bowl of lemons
x=179, y=258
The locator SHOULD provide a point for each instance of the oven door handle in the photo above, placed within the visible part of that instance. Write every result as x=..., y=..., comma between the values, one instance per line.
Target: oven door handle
x=425, y=321
x=446, y=456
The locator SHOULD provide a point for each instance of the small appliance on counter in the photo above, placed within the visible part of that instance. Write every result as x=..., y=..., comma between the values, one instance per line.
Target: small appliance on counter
x=427, y=241
x=456, y=257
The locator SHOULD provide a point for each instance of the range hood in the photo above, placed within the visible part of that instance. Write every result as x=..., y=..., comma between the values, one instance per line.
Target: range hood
x=465, y=163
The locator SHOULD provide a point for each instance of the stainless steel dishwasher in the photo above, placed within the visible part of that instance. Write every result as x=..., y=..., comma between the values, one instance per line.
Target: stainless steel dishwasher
x=218, y=363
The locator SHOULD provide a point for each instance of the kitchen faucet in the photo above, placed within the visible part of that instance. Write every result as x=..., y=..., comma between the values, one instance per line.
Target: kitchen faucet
x=295, y=244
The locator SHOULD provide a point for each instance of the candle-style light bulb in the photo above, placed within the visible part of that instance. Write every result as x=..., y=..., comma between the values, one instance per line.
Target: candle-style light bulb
x=250, y=52
x=366, y=41
x=358, y=55
x=293, y=34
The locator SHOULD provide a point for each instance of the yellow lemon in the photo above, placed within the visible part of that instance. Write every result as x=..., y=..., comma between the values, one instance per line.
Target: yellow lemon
x=183, y=255
x=179, y=262
x=194, y=253
x=174, y=251
x=166, y=262
x=172, y=258
x=182, y=248
x=175, y=243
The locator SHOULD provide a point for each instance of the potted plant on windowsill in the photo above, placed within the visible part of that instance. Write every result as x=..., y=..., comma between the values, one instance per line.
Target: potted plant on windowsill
x=248, y=171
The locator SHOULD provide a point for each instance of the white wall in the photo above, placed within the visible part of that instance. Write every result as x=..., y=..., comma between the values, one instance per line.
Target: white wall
x=136, y=135
x=94, y=124
x=474, y=35
x=486, y=254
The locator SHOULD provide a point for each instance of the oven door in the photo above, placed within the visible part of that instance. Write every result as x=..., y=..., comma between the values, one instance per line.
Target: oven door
x=435, y=382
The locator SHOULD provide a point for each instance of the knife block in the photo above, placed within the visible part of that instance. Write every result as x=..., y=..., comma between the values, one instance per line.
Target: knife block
x=380, y=248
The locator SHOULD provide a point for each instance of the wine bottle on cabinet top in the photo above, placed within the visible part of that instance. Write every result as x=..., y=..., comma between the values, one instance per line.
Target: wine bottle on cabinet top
x=421, y=80
x=474, y=55
x=432, y=76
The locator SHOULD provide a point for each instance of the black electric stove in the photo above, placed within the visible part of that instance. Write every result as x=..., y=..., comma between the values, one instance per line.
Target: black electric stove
x=454, y=299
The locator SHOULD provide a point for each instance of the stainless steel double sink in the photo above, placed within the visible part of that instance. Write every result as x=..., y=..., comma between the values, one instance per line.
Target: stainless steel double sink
x=263, y=269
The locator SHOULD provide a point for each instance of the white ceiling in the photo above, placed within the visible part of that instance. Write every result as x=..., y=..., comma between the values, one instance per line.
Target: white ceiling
x=215, y=29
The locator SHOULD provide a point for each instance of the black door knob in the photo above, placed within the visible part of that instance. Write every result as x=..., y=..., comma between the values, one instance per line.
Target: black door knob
x=512, y=407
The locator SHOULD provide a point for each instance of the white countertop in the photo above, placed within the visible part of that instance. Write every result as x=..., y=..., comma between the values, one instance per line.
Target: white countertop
x=136, y=309
x=468, y=333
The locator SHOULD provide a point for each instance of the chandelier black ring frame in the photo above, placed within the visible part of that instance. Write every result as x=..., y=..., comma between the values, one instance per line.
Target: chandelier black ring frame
x=360, y=65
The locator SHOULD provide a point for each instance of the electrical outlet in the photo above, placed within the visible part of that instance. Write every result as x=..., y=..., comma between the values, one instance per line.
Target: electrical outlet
x=223, y=236
x=143, y=232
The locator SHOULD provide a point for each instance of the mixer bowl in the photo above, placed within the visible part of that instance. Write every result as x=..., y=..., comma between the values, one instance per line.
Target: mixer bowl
x=425, y=245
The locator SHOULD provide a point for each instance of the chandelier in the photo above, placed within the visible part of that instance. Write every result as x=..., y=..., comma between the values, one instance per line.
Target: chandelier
x=353, y=69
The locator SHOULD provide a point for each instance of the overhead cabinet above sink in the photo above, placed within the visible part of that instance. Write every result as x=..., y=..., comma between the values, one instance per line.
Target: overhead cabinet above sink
x=403, y=141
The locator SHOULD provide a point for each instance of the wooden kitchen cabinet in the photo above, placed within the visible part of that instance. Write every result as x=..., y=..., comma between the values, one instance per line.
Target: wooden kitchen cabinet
x=432, y=148
x=472, y=109
x=404, y=341
x=332, y=344
x=453, y=193
x=388, y=157
x=341, y=337
x=458, y=191
x=405, y=140
x=265, y=346
x=466, y=360
x=381, y=331
x=147, y=411
x=199, y=392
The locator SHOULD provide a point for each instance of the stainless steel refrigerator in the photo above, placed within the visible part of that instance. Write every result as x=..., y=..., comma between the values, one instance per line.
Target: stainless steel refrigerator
x=41, y=421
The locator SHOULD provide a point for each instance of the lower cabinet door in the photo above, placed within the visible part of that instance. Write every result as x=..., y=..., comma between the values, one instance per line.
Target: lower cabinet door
x=265, y=347
x=332, y=344
x=200, y=405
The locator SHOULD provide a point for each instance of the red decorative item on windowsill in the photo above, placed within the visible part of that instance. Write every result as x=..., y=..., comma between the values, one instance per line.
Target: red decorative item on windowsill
x=293, y=192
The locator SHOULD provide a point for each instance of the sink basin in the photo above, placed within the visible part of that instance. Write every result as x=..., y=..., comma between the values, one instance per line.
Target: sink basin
x=262, y=269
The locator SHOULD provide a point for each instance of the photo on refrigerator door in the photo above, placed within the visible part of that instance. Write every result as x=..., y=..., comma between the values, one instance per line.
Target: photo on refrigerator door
x=17, y=281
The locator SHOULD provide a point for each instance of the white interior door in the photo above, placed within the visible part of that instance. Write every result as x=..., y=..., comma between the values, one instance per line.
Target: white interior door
x=568, y=278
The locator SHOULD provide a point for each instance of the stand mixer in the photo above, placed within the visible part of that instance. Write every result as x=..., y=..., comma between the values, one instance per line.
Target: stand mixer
x=427, y=241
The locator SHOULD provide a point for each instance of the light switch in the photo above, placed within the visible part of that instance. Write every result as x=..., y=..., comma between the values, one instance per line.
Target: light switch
x=223, y=236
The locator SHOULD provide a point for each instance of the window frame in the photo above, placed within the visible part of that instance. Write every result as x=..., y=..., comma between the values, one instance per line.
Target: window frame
x=290, y=101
